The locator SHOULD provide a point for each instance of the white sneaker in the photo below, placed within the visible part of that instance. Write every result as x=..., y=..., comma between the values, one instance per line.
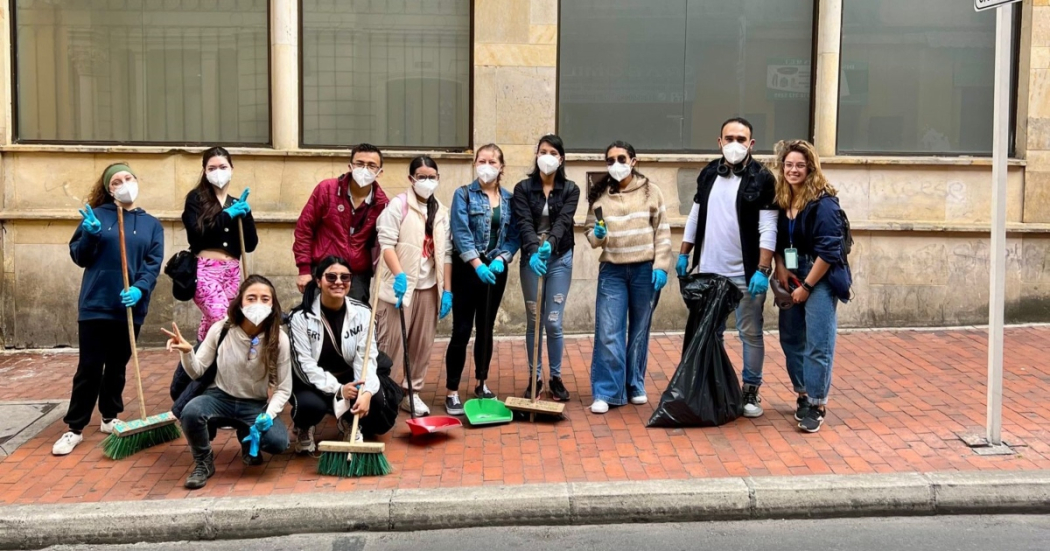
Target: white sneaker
x=420, y=408
x=345, y=429
x=640, y=400
x=107, y=428
x=66, y=443
x=600, y=406
x=752, y=408
x=304, y=440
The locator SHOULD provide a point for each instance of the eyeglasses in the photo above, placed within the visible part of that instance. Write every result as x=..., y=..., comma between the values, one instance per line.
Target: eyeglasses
x=793, y=166
x=253, y=350
x=370, y=166
x=622, y=159
x=332, y=277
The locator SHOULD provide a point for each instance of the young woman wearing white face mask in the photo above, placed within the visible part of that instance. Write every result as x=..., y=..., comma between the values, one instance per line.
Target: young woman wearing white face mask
x=416, y=275
x=102, y=318
x=544, y=205
x=253, y=379
x=210, y=217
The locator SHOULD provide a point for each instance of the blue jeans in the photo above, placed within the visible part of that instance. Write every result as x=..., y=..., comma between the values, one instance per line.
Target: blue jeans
x=807, y=335
x=555, y=292
x=749, y=327
x=624, y=312
x=216, y=405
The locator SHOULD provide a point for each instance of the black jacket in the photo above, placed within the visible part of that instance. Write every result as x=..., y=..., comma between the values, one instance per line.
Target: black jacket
x=528, y=206
x=757, y=193
x=820, y=233
x=221, y=233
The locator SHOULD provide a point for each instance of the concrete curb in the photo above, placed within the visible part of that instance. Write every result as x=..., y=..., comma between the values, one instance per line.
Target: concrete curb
x=36, y=526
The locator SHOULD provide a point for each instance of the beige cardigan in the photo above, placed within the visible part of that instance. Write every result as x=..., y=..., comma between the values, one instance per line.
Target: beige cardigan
x=406, y=236
x=637, y=226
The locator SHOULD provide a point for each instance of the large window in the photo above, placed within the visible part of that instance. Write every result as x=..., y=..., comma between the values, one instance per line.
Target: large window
x=147, y=71
x=390, y=73
x=916, y=77
x=664, y=75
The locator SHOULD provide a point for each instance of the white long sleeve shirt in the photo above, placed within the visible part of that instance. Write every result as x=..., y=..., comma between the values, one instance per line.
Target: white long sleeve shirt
x=721, y=252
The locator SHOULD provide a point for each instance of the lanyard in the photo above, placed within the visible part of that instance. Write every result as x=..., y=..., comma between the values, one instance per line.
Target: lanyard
x=791, y=232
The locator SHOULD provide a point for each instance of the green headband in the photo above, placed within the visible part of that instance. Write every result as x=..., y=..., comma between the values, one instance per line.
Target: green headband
x=107, y=176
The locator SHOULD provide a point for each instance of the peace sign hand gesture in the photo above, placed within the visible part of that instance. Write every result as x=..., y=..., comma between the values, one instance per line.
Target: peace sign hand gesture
x=90, y=222
x=175, y=340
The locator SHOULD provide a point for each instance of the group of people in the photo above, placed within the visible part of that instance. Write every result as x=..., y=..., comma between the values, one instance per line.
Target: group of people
x=425, y=260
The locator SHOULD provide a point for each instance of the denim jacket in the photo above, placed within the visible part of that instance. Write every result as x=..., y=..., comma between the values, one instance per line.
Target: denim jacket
x=470, y=230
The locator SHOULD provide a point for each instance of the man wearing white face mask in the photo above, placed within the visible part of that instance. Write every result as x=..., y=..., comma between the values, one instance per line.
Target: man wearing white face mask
x=339, y=219
x=213, y=219
x=734, y=223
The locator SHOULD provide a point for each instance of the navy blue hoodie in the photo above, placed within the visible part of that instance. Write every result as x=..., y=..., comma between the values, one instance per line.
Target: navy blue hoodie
x=99, y=255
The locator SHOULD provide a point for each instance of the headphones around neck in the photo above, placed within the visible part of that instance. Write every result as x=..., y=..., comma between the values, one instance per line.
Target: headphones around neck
x=724, y=169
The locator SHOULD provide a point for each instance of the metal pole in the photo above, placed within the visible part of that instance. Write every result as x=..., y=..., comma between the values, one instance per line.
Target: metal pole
x=997, y=290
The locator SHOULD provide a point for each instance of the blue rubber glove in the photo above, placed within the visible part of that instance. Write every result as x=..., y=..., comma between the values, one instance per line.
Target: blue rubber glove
x=544, y=251
x=538, y=265
x=682, y=267
x=400, y=287
x=262, y=424
x=90, y=223
x=599, y=231
x=496, y=266
x=659, y=279
x=485, y=274
x=239, y=207
x=759, y=284
x=446, y=304
x=131, y=297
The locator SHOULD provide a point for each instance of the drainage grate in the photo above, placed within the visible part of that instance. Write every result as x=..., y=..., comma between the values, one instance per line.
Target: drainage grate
x=21, y=421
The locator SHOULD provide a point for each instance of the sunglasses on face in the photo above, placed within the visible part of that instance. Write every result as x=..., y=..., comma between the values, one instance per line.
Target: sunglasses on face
x=623, y=159
x=332, y=278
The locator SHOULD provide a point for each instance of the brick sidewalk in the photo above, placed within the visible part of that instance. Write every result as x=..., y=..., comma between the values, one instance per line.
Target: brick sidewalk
x=898, y=398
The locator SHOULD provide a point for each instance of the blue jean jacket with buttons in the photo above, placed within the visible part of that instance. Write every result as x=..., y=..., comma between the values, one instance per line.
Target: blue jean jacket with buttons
x=472, y=220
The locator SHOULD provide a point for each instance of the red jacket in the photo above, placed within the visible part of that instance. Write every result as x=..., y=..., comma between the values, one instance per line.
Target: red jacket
x=323, y=227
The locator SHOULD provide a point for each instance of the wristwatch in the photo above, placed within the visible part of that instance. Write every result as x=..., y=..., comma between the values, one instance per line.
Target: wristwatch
x=766, y=270
x=807, y=286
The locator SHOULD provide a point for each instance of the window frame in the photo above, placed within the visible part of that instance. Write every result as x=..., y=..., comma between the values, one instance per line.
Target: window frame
x=1015, y=44
x=13, y=29
x=469, y=146
x=683, y=151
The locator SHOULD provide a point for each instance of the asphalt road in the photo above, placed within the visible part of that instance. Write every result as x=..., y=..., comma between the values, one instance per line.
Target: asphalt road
x=958, y=533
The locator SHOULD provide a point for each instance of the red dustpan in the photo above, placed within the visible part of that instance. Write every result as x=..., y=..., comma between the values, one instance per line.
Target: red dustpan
x=422, y=425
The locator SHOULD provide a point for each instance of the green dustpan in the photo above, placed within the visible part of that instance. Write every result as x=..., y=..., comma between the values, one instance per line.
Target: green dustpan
x=481, y=411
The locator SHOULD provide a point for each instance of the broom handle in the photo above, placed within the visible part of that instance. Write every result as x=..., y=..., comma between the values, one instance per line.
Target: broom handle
x=244, y=253
x=368, y=346
x=131, y=318
x=539, y=312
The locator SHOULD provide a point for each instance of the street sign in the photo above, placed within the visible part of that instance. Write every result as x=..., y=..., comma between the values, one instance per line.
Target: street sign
x=981, y=5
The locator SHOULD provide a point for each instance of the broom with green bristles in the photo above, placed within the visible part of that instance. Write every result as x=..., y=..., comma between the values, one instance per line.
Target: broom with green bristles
x=134, y=436
x=356, y=459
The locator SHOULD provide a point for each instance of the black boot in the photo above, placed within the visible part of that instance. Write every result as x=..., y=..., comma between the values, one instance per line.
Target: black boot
x=202, y=471
x=558, y=390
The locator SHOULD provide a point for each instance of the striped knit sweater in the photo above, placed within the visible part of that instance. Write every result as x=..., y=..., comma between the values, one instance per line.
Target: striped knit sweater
x=637, y=226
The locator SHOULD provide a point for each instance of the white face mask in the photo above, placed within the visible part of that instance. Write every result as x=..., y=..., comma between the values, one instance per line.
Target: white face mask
x=127, y=193
x=256, y=313
x=425, y=187
x=548, y=164
x=219, y=178
x=487, y=173
x=364, y=177
x=619, y=171
x=734, y=152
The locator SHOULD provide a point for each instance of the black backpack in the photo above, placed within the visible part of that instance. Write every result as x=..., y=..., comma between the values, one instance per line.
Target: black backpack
x=847, y=235
x=182, y=268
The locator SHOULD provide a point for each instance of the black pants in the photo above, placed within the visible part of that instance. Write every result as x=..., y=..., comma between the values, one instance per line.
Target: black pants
x=104, y=354
x=310, y=405
x=474, y=306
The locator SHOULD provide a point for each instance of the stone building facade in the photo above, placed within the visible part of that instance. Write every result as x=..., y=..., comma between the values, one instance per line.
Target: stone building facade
x=920, y=217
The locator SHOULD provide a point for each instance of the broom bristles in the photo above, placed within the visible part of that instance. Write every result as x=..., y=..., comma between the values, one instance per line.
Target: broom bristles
x=116, y=447
x=343, y=464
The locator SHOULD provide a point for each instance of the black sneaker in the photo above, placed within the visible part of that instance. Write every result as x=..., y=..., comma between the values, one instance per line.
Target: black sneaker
x=453, y=406
x=202, y=471
x=539, y=390
x=482, y=391
x=813, y=420
x=247, y=458
x=558, y=390
x=801, y=408
x=751, y=401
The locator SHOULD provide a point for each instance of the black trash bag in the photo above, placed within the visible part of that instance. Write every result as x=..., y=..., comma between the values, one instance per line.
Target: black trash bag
x=704, y=391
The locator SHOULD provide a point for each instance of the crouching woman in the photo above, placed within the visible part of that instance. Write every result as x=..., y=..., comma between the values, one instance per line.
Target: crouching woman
x=253, y=355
